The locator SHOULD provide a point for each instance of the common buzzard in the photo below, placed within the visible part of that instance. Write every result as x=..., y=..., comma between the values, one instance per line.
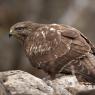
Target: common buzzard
x=57, y=48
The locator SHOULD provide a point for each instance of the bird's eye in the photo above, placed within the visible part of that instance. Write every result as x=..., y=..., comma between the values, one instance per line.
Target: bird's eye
x=20, y=28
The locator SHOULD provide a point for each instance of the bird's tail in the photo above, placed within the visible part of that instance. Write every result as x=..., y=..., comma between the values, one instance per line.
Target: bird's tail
x=87, y=70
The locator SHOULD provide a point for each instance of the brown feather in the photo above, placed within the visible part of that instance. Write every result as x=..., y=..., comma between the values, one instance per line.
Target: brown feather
x=56, y=48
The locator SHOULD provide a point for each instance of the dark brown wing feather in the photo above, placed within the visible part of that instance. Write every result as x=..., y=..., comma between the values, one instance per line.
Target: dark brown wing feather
x=70, y=33
x=78, y=42
x=90, y=43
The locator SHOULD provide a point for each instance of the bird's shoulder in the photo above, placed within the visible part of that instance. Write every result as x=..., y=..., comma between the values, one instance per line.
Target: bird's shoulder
x=57, y=30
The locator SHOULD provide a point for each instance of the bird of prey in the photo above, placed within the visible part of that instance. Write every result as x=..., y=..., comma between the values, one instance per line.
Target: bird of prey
x=57, y=48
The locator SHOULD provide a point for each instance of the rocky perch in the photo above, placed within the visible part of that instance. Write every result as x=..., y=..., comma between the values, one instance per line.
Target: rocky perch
x=18, y=82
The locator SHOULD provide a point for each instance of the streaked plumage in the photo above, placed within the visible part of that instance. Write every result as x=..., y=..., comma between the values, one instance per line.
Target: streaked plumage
x=56, y=48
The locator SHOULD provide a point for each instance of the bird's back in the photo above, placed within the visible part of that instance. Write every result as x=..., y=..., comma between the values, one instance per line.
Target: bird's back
x=51, y=47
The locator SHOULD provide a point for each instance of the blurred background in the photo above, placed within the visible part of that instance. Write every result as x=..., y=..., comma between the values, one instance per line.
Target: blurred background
x=77, y=13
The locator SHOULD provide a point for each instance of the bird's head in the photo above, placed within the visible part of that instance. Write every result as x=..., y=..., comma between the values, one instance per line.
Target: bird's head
x=21, y=30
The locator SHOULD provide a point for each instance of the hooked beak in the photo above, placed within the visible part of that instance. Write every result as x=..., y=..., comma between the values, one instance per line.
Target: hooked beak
x=10, y=34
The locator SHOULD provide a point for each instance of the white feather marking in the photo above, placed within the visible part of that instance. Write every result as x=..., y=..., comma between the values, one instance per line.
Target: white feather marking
x=55, y=41
x=68, y=47
x=56, y=56
x=27, y=50
x=40, y=46
x=37, y=34
x=43, y=34
x=52, y=29
x=35, y=48
x=49, y=48
x=58, y=32
x=11, y=31
x=30, y=48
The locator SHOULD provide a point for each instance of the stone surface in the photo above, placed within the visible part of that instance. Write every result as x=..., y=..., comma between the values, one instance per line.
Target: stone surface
x=22, y=83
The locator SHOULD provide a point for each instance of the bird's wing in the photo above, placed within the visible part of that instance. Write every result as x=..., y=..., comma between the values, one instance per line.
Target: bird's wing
x=70, y=33
x=89, y=42
x=78, y=47
x=79, y=41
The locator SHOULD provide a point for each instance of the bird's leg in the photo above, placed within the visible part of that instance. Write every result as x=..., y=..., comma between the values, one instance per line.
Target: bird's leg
x=54, y=76
x=59, y=75
x=46, y=78
x=72, y=70
x=50, y=76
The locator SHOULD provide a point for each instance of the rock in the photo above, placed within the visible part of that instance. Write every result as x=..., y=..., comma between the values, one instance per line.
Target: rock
x=22, y=83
